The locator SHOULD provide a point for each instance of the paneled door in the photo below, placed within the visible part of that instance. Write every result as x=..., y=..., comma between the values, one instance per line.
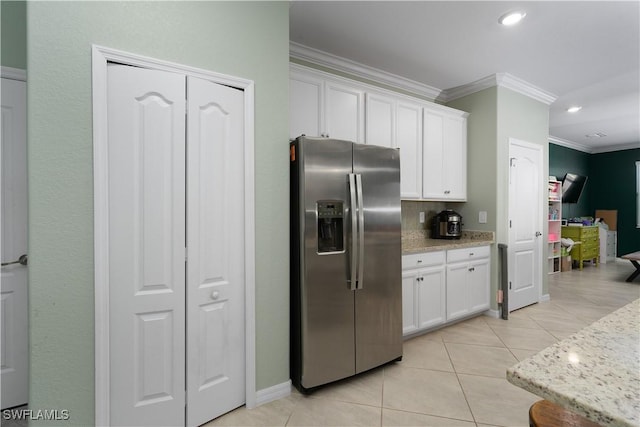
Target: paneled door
x=215, y=241
x=146, y=116
x=525, y=224
x=176, y=248
x=14, y=293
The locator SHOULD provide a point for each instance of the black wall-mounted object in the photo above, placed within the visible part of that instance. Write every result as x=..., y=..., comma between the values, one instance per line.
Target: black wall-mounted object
x=572, y=187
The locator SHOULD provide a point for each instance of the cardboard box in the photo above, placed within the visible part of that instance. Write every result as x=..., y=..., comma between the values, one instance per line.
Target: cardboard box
x=609, y=217
x=565, y=263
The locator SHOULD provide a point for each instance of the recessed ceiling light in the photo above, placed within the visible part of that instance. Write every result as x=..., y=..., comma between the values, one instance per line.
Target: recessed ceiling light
x=511, y=18
x=596, y=135
x=574, y=109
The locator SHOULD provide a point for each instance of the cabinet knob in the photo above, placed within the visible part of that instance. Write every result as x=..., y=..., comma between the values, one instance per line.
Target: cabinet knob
x=215, y=295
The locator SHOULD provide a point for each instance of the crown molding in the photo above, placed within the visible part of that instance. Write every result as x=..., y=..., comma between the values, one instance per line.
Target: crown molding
x=13, y=73
x=615, y=147
x=318, y=57
x=570, y=144
x=592, y=150
x=505, y=80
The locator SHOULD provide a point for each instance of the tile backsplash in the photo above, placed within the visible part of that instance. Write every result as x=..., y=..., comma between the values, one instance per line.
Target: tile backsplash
x=411, y=214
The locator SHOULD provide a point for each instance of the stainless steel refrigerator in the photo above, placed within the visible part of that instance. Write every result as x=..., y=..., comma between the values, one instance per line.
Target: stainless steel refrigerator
x=346, y=280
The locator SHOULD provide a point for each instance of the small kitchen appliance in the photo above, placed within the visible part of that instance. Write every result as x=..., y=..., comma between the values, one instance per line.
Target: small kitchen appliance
x=446, y=225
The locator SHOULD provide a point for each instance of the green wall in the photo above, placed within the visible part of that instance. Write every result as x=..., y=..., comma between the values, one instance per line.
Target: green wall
x=563, y=160
x=526, y=119
x=611, y=185
x=244, y=39
x=613, y=179
x=13, y=34
x=497, y=114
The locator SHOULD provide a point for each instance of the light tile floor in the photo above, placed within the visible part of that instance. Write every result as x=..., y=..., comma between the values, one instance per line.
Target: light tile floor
x=455, y=376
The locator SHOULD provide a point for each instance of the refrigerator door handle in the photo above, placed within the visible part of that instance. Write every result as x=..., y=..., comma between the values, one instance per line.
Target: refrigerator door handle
x=354, y=233
x=360, y=276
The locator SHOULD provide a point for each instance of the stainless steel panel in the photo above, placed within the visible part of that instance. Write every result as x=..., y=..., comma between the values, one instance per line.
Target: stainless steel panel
x=327, y=321
x=378, y=305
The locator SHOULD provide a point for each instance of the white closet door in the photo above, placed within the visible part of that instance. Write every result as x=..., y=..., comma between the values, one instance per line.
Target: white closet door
x=146, y=116
x=14, y=345
x=215, y=237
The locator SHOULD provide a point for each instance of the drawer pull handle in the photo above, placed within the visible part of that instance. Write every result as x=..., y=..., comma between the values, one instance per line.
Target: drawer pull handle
x=419, y=261
x=470, y=253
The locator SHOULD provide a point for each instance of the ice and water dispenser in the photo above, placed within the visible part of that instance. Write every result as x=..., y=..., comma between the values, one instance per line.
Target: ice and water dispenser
x=330, y=226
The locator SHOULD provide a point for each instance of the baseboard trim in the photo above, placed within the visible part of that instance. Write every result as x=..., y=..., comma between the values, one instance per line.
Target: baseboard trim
x=545, y=297
x=492, y=313
x=272, y=393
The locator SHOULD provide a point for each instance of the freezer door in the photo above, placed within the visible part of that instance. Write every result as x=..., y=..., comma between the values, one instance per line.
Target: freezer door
x=378, y=300
x=327, y=302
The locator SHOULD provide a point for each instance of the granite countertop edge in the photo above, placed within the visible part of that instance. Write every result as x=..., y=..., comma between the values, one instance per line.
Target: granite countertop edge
x=574, y=372
x=418, y=242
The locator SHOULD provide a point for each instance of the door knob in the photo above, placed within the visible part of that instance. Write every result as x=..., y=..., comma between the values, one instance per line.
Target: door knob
x=538, y=234
x=22, y=260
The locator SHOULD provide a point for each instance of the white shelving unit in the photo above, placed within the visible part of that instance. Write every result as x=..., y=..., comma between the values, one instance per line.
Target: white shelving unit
x=555, y=226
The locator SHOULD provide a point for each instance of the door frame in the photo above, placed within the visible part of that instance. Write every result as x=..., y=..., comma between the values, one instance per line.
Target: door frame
x=100, y=57
x=540, y=203
x=20, y=75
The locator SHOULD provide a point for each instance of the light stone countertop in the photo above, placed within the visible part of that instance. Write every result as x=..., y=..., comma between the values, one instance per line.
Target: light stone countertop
x=594, y=373
x=414, y=242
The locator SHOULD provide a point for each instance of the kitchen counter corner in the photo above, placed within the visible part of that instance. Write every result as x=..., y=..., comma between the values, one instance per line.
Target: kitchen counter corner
x=594, y=373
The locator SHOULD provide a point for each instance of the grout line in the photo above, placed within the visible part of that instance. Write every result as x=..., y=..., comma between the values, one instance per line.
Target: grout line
x=455, y=371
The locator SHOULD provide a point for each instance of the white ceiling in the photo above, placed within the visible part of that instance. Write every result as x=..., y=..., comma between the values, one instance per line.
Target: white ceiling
x=583, y=52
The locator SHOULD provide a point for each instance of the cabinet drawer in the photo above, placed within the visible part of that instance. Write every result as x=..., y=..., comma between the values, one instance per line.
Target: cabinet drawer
x=588, y=232
x=466, y=254
x=588, y=253
x=423, y=260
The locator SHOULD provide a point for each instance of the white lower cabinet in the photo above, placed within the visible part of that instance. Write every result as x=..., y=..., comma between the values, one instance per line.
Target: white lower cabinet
x=467, y=281
x=442, y=286
x=423, y=291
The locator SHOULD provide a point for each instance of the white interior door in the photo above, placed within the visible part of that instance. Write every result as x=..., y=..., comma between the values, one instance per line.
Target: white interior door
x=146, y=119
x=525, y=224
x=14, y=344
x=176, y=248
x=215, y=241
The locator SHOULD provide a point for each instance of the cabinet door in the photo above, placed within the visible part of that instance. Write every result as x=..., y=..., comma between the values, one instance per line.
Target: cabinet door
x=454, y=158
x=409, y=141
x=409, y=301
x=344, y=112
x=380, y=122
x=306, y=96
x=478, y=285
x=432, y=172
x=457, y=300
x=431, y=297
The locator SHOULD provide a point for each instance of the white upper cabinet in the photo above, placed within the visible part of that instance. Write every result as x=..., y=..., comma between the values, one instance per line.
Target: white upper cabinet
x=409, y=141
x=397, y=123
x=319, y=107
x=344, y=112
x=381, y=120
x=306, y=101
x=432, y=138
x=444, y=155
